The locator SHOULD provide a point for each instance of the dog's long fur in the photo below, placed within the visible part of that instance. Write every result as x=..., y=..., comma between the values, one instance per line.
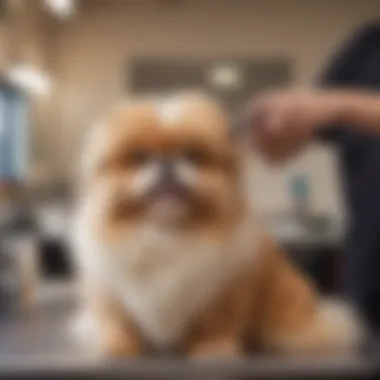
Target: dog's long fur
x=194, y=272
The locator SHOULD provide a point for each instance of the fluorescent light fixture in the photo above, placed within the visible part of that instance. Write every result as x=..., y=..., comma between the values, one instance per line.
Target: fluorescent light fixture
x=30, y=79
x=226, y=77
x=61, y=8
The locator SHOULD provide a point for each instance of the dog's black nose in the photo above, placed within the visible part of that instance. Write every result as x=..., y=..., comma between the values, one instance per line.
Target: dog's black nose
x=169, y=183
x=168, y=174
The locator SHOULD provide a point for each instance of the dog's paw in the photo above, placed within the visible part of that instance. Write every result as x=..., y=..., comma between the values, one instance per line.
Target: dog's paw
x=118, y=343
x=216, y=349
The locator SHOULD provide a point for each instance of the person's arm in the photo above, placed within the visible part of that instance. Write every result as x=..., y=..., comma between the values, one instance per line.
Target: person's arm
x=360, y=110
x=282, y=123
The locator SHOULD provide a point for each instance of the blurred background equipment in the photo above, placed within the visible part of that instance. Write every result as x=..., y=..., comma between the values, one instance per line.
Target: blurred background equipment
x=29, y=79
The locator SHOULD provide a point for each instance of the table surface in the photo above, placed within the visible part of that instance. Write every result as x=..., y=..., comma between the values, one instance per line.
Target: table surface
x=41, y=347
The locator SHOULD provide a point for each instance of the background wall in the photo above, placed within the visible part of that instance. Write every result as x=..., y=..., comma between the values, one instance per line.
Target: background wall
x=90, y=56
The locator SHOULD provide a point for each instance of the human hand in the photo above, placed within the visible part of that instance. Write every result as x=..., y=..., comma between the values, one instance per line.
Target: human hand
x=283, y=121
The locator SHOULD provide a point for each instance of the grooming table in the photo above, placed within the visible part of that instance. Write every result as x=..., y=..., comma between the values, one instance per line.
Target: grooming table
x=40, y=347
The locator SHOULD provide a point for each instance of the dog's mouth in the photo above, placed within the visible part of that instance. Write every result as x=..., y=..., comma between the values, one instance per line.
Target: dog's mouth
x=168, y=202
x=170, y=191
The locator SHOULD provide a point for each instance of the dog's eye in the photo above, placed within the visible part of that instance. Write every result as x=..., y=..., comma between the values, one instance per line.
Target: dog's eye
x=195, y=156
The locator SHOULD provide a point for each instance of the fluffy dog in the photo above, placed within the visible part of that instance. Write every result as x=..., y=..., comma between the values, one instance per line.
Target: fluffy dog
x=169, y=250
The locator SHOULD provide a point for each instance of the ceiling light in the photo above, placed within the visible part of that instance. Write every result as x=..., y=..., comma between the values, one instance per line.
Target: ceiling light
x=29, y=79
x=226, y=77
x=60, y=8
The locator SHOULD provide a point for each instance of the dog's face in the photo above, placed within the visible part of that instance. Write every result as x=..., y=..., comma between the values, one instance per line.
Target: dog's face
x=170, y=162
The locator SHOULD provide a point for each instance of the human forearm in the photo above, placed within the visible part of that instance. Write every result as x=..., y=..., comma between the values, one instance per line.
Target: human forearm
x=360, y=110
x=284, y=122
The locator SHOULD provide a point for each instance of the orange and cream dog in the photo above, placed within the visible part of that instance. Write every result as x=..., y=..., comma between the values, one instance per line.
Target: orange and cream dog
x=169, y=250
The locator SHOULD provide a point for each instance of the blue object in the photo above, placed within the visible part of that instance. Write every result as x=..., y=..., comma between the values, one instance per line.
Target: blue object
x=300, y=186
x=13, y=134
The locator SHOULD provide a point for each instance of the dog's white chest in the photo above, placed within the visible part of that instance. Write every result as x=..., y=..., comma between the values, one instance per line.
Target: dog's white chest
x=163, y=281
x=163, y=285
x=164, y=291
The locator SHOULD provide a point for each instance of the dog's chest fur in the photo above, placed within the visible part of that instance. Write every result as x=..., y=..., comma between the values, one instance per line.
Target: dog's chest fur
x=164, y=280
